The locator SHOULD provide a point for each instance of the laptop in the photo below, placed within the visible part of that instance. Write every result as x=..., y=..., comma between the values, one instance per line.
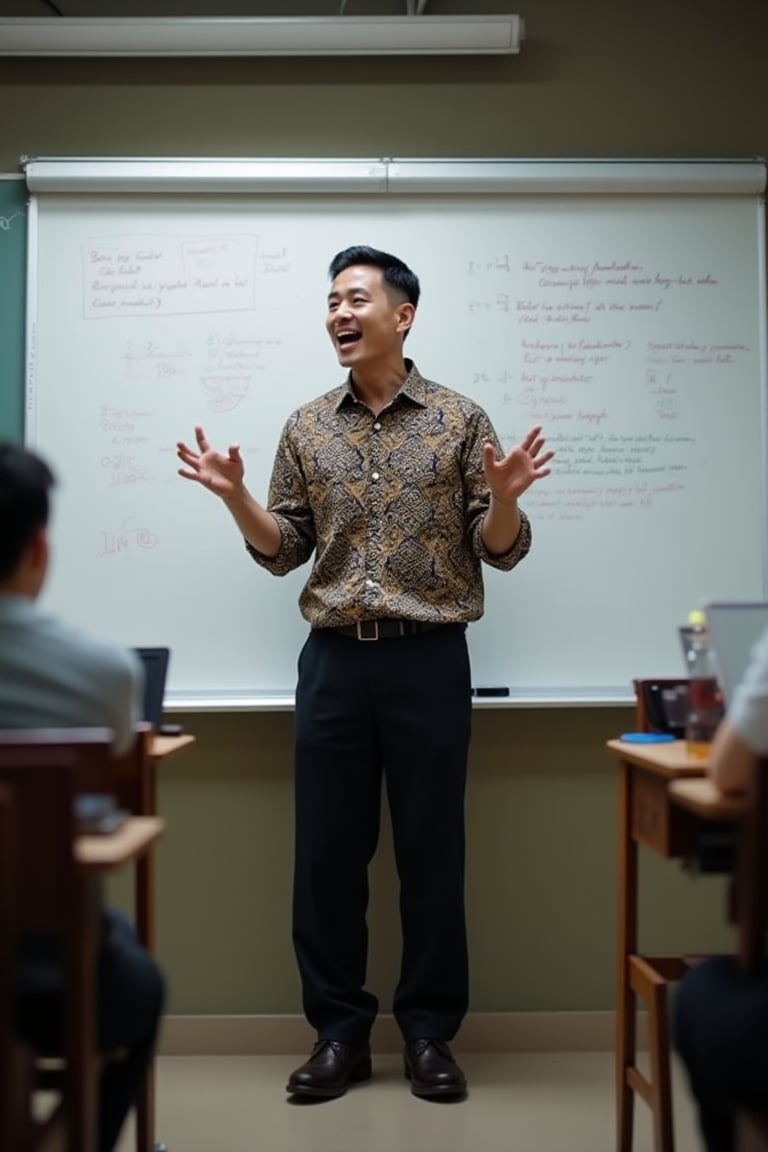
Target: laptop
x=734, y=629
x=155, y=661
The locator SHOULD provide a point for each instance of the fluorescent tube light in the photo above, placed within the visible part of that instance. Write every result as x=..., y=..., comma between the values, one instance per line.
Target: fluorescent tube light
x=261, y=36
x=406, y=176
x=181, y=174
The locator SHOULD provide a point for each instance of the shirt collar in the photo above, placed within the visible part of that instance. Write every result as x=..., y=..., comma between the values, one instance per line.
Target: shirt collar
x=14, y=607
x=414, y=387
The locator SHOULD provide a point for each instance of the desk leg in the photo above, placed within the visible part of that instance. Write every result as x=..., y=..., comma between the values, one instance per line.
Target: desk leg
x=145, y=1114
x=627, y=944
x=145, y=928
x=81, y=1072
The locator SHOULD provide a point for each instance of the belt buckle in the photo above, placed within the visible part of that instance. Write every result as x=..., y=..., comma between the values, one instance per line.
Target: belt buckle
x=359, y=629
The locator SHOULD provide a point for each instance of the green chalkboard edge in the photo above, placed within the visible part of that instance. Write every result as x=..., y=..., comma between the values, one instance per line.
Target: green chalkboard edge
x=13, y=289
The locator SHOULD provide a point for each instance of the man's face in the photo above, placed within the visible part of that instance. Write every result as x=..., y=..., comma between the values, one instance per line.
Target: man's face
x=366, y=321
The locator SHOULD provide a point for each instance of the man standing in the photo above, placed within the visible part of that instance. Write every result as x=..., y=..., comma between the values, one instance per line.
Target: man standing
x=53, y=676
x=399, y=487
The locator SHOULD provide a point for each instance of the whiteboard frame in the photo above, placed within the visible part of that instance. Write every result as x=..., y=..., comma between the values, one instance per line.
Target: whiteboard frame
x=530, y=698
x=404, y=176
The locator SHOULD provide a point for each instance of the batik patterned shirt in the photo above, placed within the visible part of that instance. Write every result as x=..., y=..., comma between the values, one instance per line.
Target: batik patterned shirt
x=392, y=505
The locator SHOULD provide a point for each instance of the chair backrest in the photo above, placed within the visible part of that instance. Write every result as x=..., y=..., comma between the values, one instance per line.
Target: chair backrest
x=46, y=769
x=7, y=907
x=54, y=897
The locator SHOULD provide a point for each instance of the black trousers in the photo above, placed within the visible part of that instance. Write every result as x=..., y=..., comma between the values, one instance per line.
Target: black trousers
x=398, y=709
x=721, y=1032
x=130, y=1005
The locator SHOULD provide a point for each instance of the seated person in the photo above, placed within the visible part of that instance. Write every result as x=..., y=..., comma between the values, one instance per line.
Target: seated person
x=721, y=1013
x=52, y=676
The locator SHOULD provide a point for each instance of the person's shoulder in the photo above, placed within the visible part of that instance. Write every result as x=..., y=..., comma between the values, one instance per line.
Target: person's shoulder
x=760, y=650
x=315, y=409
x=87, y=651
x=450, y=398
x=756, y=675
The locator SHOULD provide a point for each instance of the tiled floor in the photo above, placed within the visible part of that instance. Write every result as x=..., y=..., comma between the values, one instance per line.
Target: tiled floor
x=552, y=1102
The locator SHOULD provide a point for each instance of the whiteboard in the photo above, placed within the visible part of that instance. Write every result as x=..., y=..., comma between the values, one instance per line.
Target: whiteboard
x=624, y=310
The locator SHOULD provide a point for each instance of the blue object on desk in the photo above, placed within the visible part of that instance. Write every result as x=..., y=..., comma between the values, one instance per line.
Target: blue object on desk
x=647, y=737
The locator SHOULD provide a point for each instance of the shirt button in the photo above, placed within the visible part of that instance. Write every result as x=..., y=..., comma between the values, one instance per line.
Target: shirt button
x=377, y=427
x=374, y=476
x=370, y=584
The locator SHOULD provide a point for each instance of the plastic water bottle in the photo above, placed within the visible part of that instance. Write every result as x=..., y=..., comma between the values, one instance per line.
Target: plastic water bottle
x=705, y=699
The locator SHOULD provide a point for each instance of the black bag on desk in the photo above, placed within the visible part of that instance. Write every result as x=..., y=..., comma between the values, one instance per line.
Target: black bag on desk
x=666, y=705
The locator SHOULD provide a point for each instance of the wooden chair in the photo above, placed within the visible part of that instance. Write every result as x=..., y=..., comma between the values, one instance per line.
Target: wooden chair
x=660, y=705
x=15, y=1066
x=56, y=898
x=132, y=779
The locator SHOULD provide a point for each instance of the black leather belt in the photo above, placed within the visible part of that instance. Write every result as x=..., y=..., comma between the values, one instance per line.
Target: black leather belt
x=384, y=629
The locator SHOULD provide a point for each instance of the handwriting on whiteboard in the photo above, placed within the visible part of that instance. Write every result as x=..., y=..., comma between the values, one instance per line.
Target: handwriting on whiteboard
x=224, y=364
x=7, y=221
x=124, y=538
x=167, y=275
x=579, y=501
x=584, y=291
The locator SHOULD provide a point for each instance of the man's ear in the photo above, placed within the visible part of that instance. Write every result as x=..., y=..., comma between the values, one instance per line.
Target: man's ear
x=39, y=550
x=405, y=316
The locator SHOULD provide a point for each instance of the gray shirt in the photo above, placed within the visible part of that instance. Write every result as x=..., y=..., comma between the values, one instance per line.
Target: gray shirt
x=748, y=712
x=55, y=676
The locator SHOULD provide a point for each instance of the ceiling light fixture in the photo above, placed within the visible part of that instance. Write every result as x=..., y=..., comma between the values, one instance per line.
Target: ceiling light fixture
x=414, y=35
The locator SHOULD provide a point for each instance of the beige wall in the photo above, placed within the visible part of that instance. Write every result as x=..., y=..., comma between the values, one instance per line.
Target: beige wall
x=541, y=869
x=596, y=78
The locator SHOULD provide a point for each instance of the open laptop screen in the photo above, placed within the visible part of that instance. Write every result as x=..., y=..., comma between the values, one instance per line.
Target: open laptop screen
x=155, y=661
x=734, y=629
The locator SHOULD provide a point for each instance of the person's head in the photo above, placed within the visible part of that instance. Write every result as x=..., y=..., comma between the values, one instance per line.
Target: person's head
x=371, y=304
x=25, y=483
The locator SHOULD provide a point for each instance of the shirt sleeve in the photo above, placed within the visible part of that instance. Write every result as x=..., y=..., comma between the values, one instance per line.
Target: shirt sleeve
x=288, y=502
x=478, y=496
x=748, y=712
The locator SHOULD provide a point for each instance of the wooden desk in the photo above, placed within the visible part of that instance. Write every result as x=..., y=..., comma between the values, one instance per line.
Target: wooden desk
x=646, y=816
x=130, y=844
x=138, y=793
x=706, y=801
x=126, y=845
x=163, y=747
x=140, y=796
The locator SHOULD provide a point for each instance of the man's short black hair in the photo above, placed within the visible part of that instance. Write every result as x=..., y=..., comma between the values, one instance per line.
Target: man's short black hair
x=395, y=273
x=25, y=481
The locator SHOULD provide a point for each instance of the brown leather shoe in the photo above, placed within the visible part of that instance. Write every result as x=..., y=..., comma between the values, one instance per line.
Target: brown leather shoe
x=432, y=1070
x=331, y=1067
